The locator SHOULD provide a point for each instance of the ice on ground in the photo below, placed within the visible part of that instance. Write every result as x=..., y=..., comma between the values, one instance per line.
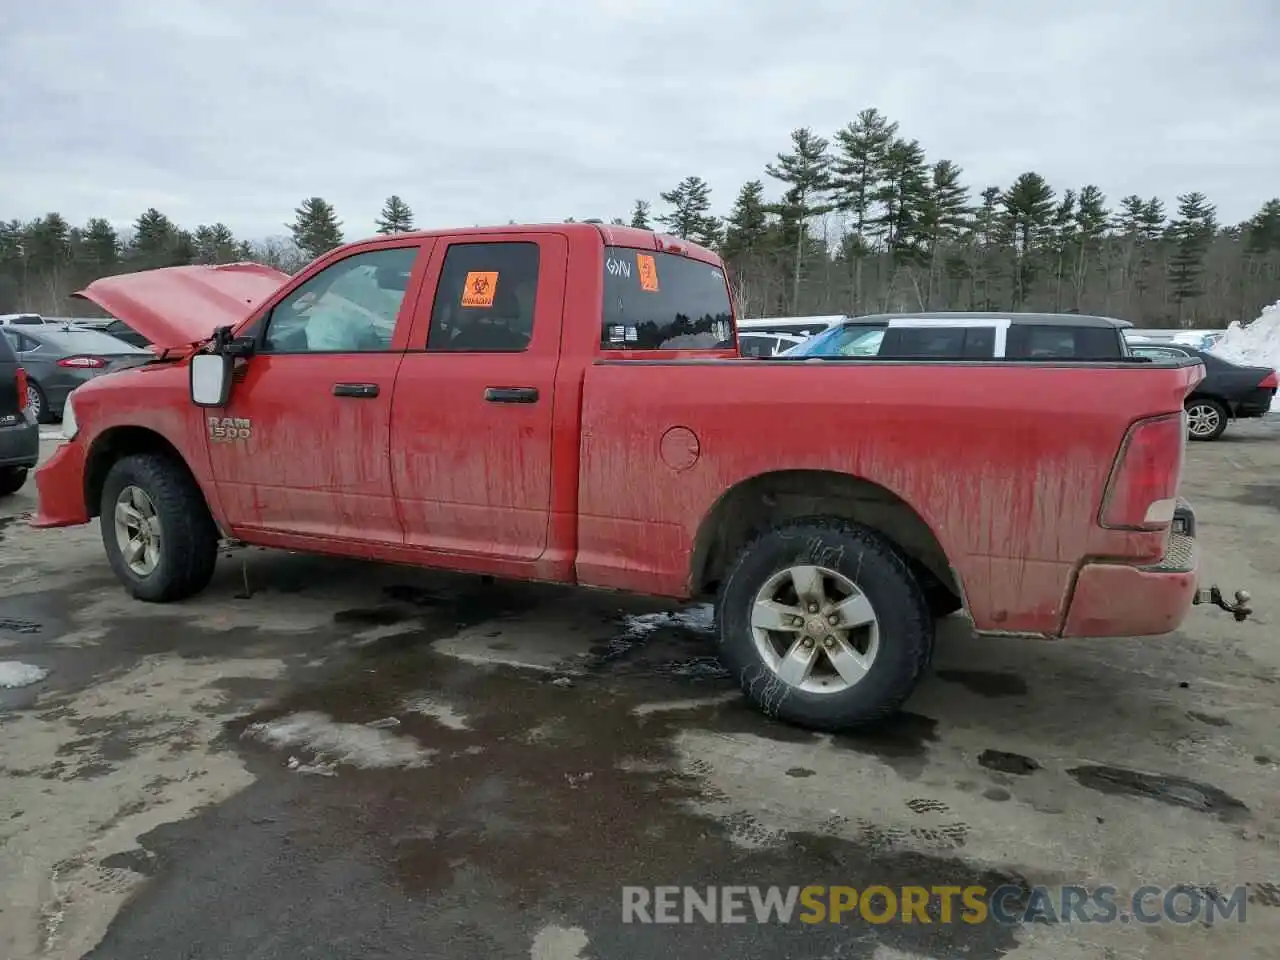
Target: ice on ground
x=699, y=619
x=1257, y=345
x=14, y=674
x=333, y=743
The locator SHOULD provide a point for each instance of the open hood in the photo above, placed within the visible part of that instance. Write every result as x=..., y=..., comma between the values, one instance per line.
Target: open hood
x=177, y=306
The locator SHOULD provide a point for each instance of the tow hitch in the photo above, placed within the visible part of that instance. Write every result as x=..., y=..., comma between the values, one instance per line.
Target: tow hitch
x=1240, y=609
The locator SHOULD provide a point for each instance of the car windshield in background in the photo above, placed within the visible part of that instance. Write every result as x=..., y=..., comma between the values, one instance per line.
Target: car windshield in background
x=853, y=340
x=662, y=301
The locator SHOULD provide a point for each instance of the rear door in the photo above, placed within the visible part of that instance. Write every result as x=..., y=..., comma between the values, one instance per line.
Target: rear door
x=302, y=448
x=9, y=415
x=471, y=422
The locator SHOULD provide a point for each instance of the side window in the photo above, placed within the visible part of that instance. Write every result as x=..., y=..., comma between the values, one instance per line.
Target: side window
x=485, y=299
x=348, y=307
x=923, y=343
x=20, y=343
x=980, y=343
x=1161, y=353
x=1048, y=342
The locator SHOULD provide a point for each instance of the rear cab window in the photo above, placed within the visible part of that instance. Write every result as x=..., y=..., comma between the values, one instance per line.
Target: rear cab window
x=663, y=301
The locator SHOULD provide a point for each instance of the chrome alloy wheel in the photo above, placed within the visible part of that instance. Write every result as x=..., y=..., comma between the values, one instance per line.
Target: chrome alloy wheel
x=815, y=629
x=138, y=530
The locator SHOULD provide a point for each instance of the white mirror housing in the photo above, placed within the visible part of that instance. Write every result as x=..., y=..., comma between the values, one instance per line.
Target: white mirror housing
x=211, y=379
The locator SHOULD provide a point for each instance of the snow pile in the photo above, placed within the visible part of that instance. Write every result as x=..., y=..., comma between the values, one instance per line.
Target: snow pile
x=14, y=674
x=1257, y=345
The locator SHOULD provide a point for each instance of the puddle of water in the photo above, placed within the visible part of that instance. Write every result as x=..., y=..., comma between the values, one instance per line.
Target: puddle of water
x=1002, y=762
x=1175, y=791
x=986, y=683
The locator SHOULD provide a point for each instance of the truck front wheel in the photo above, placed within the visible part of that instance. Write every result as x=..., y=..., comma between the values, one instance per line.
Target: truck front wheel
x=156, y=528
x=824, y=625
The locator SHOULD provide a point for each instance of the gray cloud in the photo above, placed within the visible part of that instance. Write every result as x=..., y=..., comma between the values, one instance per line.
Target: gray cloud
x=235, y=110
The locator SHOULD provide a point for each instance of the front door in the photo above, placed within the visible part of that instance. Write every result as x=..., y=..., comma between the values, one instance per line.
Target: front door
x=302, y=447
x=471, y=424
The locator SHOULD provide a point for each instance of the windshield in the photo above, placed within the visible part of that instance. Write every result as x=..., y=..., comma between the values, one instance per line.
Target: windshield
x=663, y=301
x=852, y=340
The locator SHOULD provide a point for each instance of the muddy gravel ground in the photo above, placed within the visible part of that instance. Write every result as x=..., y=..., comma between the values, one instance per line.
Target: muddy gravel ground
x=324, y=759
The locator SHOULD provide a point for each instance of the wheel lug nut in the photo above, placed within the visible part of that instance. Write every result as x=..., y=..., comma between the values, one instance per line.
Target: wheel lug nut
x=813, y=608
x=833, y=619
x=829, y=642
x=806, y=643
x=797, y=621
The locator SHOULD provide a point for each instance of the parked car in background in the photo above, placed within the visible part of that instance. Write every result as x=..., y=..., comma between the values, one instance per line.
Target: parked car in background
x=1228, y=391
x=21, y=320
x=122, y=331
x=1200, y=339
x=793, y=326
x=970, y=336
x=57, y=359
x=766, y=344
x=19, y=435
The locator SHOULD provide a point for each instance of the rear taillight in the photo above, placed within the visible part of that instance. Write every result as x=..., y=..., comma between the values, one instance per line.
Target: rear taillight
x=82, y=363
x=1142, y=493
x=22, y=390
x=1269, y=382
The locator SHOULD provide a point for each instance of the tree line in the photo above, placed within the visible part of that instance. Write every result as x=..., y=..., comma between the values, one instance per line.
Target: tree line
x=865, y=222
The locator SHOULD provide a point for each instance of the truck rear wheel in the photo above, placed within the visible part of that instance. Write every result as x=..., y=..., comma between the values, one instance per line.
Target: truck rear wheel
x=156, y=528
x=824, y=625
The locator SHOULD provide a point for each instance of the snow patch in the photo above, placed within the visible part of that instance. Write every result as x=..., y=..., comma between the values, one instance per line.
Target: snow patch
x=334, y=743
x=442, y=713
x=1257, y=345
x=14, y=674
x=700, y=619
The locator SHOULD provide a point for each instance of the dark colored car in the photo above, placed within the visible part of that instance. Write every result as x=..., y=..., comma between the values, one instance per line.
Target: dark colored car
x=122, y=331
x=59, y=359
x=1228, y=391
x=971, y=336
x=19, y=435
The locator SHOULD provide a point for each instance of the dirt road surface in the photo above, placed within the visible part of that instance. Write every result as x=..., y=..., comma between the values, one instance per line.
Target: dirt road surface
x=357, y=761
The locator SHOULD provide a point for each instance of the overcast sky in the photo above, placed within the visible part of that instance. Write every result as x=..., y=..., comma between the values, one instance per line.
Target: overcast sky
x=481, y=112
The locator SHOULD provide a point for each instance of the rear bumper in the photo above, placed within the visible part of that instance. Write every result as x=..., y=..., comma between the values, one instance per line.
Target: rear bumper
x=60, y=488
x=1117, y=600
x=1256, y=403
x=20, y=443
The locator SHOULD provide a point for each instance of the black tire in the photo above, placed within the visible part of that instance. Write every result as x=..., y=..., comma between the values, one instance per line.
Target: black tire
x=188, y=535
x=1209, y=407
x=884, y=576
x=44, y=414
x=11, y=480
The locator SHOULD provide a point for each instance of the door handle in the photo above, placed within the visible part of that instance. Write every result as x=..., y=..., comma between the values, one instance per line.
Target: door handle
x=363, y=391
x=511, y=394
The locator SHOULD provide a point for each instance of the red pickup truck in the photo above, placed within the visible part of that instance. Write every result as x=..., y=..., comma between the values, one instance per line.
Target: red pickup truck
x=549, y=403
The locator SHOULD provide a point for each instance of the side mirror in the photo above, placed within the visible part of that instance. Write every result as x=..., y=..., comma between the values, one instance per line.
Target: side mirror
x=211, y=379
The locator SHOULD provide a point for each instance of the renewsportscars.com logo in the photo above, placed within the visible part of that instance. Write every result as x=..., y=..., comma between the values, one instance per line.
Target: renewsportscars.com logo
x=1006, y=905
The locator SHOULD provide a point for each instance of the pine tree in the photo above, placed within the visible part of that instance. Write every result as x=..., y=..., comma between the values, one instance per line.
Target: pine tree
x=316, y=228
x=690, y=216
x=215, y=244
x=396, y=217
x=1191, y=233
x=748, y=223
x=153, y=238
x=100, y=244
x=807, y=169
x=902, y=197
x=944, y=217
x=857, y=175
x=1092, y=217
x=1028, y=213
x=640, y=215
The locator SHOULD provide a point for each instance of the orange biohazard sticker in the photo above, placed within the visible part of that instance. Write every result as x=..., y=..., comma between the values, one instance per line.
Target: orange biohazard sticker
x=479, y=288
x=648, y=268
